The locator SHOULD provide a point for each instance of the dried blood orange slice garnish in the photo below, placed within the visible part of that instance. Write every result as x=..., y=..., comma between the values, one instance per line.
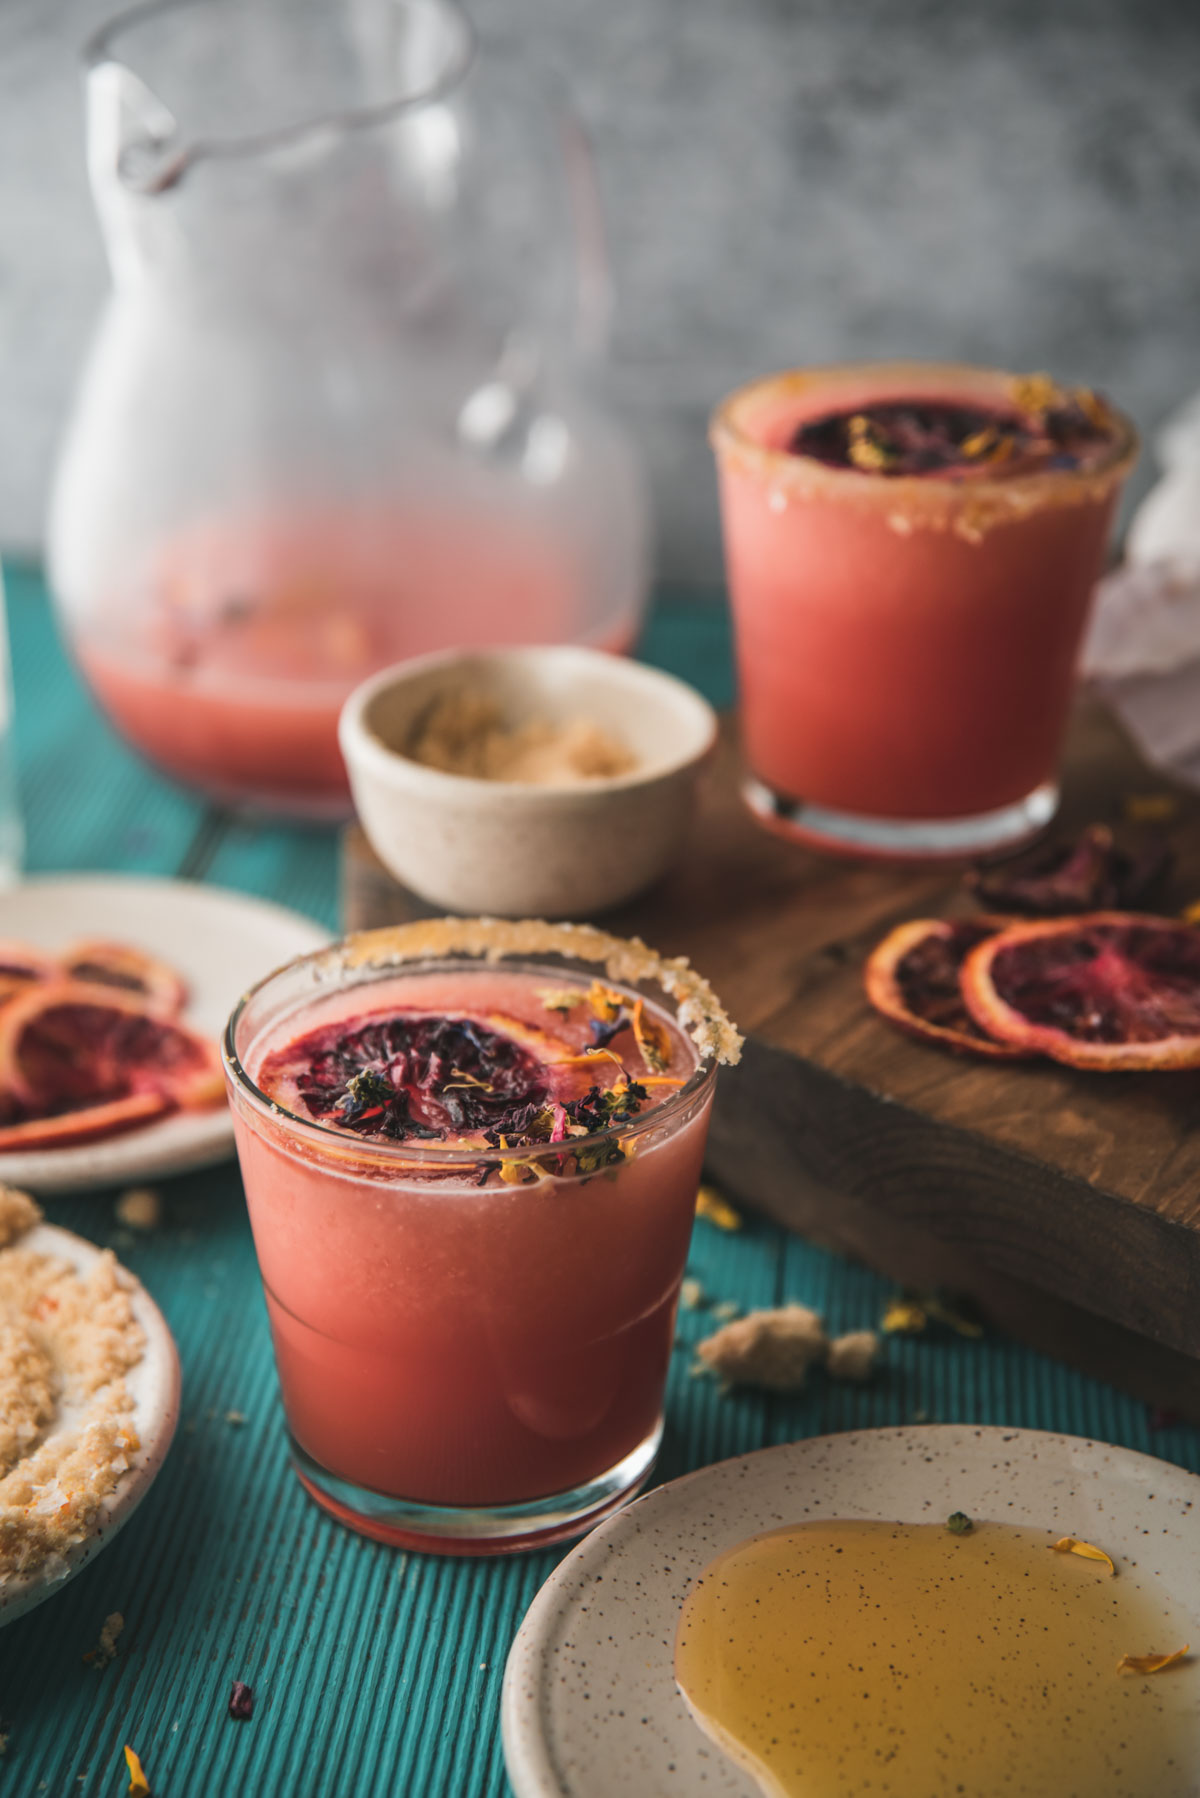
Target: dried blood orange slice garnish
x=84, y=1125
x=912, y=978
x=416, y=1076
x=411, y=1076
x=66, y=1044
x=130, y=970
x=1111, y=990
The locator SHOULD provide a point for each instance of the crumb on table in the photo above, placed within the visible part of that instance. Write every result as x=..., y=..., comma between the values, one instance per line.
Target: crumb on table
x=772, y=1349
x=853, y=1356
x=140, y=1208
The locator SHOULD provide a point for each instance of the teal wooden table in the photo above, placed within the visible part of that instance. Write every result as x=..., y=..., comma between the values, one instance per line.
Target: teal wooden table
x=373, y=1672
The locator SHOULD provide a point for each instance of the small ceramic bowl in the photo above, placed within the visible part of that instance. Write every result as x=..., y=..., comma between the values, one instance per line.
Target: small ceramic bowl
x=510, y=848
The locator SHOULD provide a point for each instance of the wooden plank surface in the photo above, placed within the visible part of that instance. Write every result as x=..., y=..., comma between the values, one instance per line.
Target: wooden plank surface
x=1085, y=1187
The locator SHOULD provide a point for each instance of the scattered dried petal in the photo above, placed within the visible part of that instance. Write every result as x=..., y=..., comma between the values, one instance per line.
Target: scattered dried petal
x=726, y=1310
x=718, y=1211
x=241, y=1702
x=1070, y=1545
x=139, y=1785
x=236, y=1418
x=904, y=1317
x=1150, y=808
x=943, y=1311
x=692, y=1295
x=853, y=1356
x=959, y=1524
x=1151, y=1663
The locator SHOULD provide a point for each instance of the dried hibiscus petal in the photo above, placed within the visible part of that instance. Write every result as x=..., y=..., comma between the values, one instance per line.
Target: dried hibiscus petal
x=241, y=1702
x=1093, y=874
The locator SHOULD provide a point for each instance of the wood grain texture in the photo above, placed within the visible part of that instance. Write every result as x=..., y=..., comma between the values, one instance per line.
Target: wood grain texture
x=1081, y=1186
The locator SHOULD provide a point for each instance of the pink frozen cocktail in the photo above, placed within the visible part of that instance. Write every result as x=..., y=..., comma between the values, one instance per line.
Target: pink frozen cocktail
x=471, y=1184
x=911, y=553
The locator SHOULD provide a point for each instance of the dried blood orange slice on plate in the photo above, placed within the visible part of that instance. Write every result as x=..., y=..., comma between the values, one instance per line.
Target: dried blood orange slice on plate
x=130, y=970
x=1109, y=990
x=66, y=1044
x=21, y=966
x=912, y=978
x=87, y=1124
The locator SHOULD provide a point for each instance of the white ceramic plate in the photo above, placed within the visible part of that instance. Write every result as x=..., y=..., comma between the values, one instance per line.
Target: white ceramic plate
x=221, y=942
x=590, y=1704
x=154, y=1383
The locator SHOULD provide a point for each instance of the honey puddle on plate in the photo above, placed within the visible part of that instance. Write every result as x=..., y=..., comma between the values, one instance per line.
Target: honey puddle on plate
x=870, y=1659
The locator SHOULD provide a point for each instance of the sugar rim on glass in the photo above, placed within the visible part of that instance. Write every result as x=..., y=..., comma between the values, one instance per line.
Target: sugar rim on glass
x=487, y=941
x=967, y=507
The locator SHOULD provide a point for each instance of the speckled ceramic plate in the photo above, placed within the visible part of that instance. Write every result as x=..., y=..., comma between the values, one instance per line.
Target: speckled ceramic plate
x=220, y=942
x=154, y=1383
x=590, y=1704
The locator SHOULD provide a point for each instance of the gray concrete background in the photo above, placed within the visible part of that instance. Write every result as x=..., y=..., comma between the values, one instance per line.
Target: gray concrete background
x=787, y=180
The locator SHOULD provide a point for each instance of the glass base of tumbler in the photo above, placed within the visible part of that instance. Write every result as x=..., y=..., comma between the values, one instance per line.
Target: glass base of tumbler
x=917, y=839
x=478, y=1529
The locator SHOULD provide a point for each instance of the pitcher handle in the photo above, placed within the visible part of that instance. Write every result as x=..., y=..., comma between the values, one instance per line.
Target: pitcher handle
x=593, y=269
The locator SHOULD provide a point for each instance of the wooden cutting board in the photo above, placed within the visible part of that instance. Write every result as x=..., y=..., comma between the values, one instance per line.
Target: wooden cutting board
x=1067, y=1205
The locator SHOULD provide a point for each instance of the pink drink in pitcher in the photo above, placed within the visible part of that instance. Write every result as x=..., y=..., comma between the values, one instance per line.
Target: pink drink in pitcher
x=911, y=553
x=230, y=658
x=472, y=1189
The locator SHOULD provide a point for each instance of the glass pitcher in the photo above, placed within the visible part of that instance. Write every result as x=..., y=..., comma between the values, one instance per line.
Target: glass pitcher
x=340, y=408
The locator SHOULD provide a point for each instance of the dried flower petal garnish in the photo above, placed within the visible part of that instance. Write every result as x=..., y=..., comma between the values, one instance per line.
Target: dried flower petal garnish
x=606, y=1004
x=652, y=1039
x=1151, y=1663
x=866, y=448
x=241, y=1702
x=562, y=999
x=710, y=1205
x=1092, y=407
x=1037, y=393
x=139, y=1785
x=1070, y=1545
x=979, y=443
x=959, y=1524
